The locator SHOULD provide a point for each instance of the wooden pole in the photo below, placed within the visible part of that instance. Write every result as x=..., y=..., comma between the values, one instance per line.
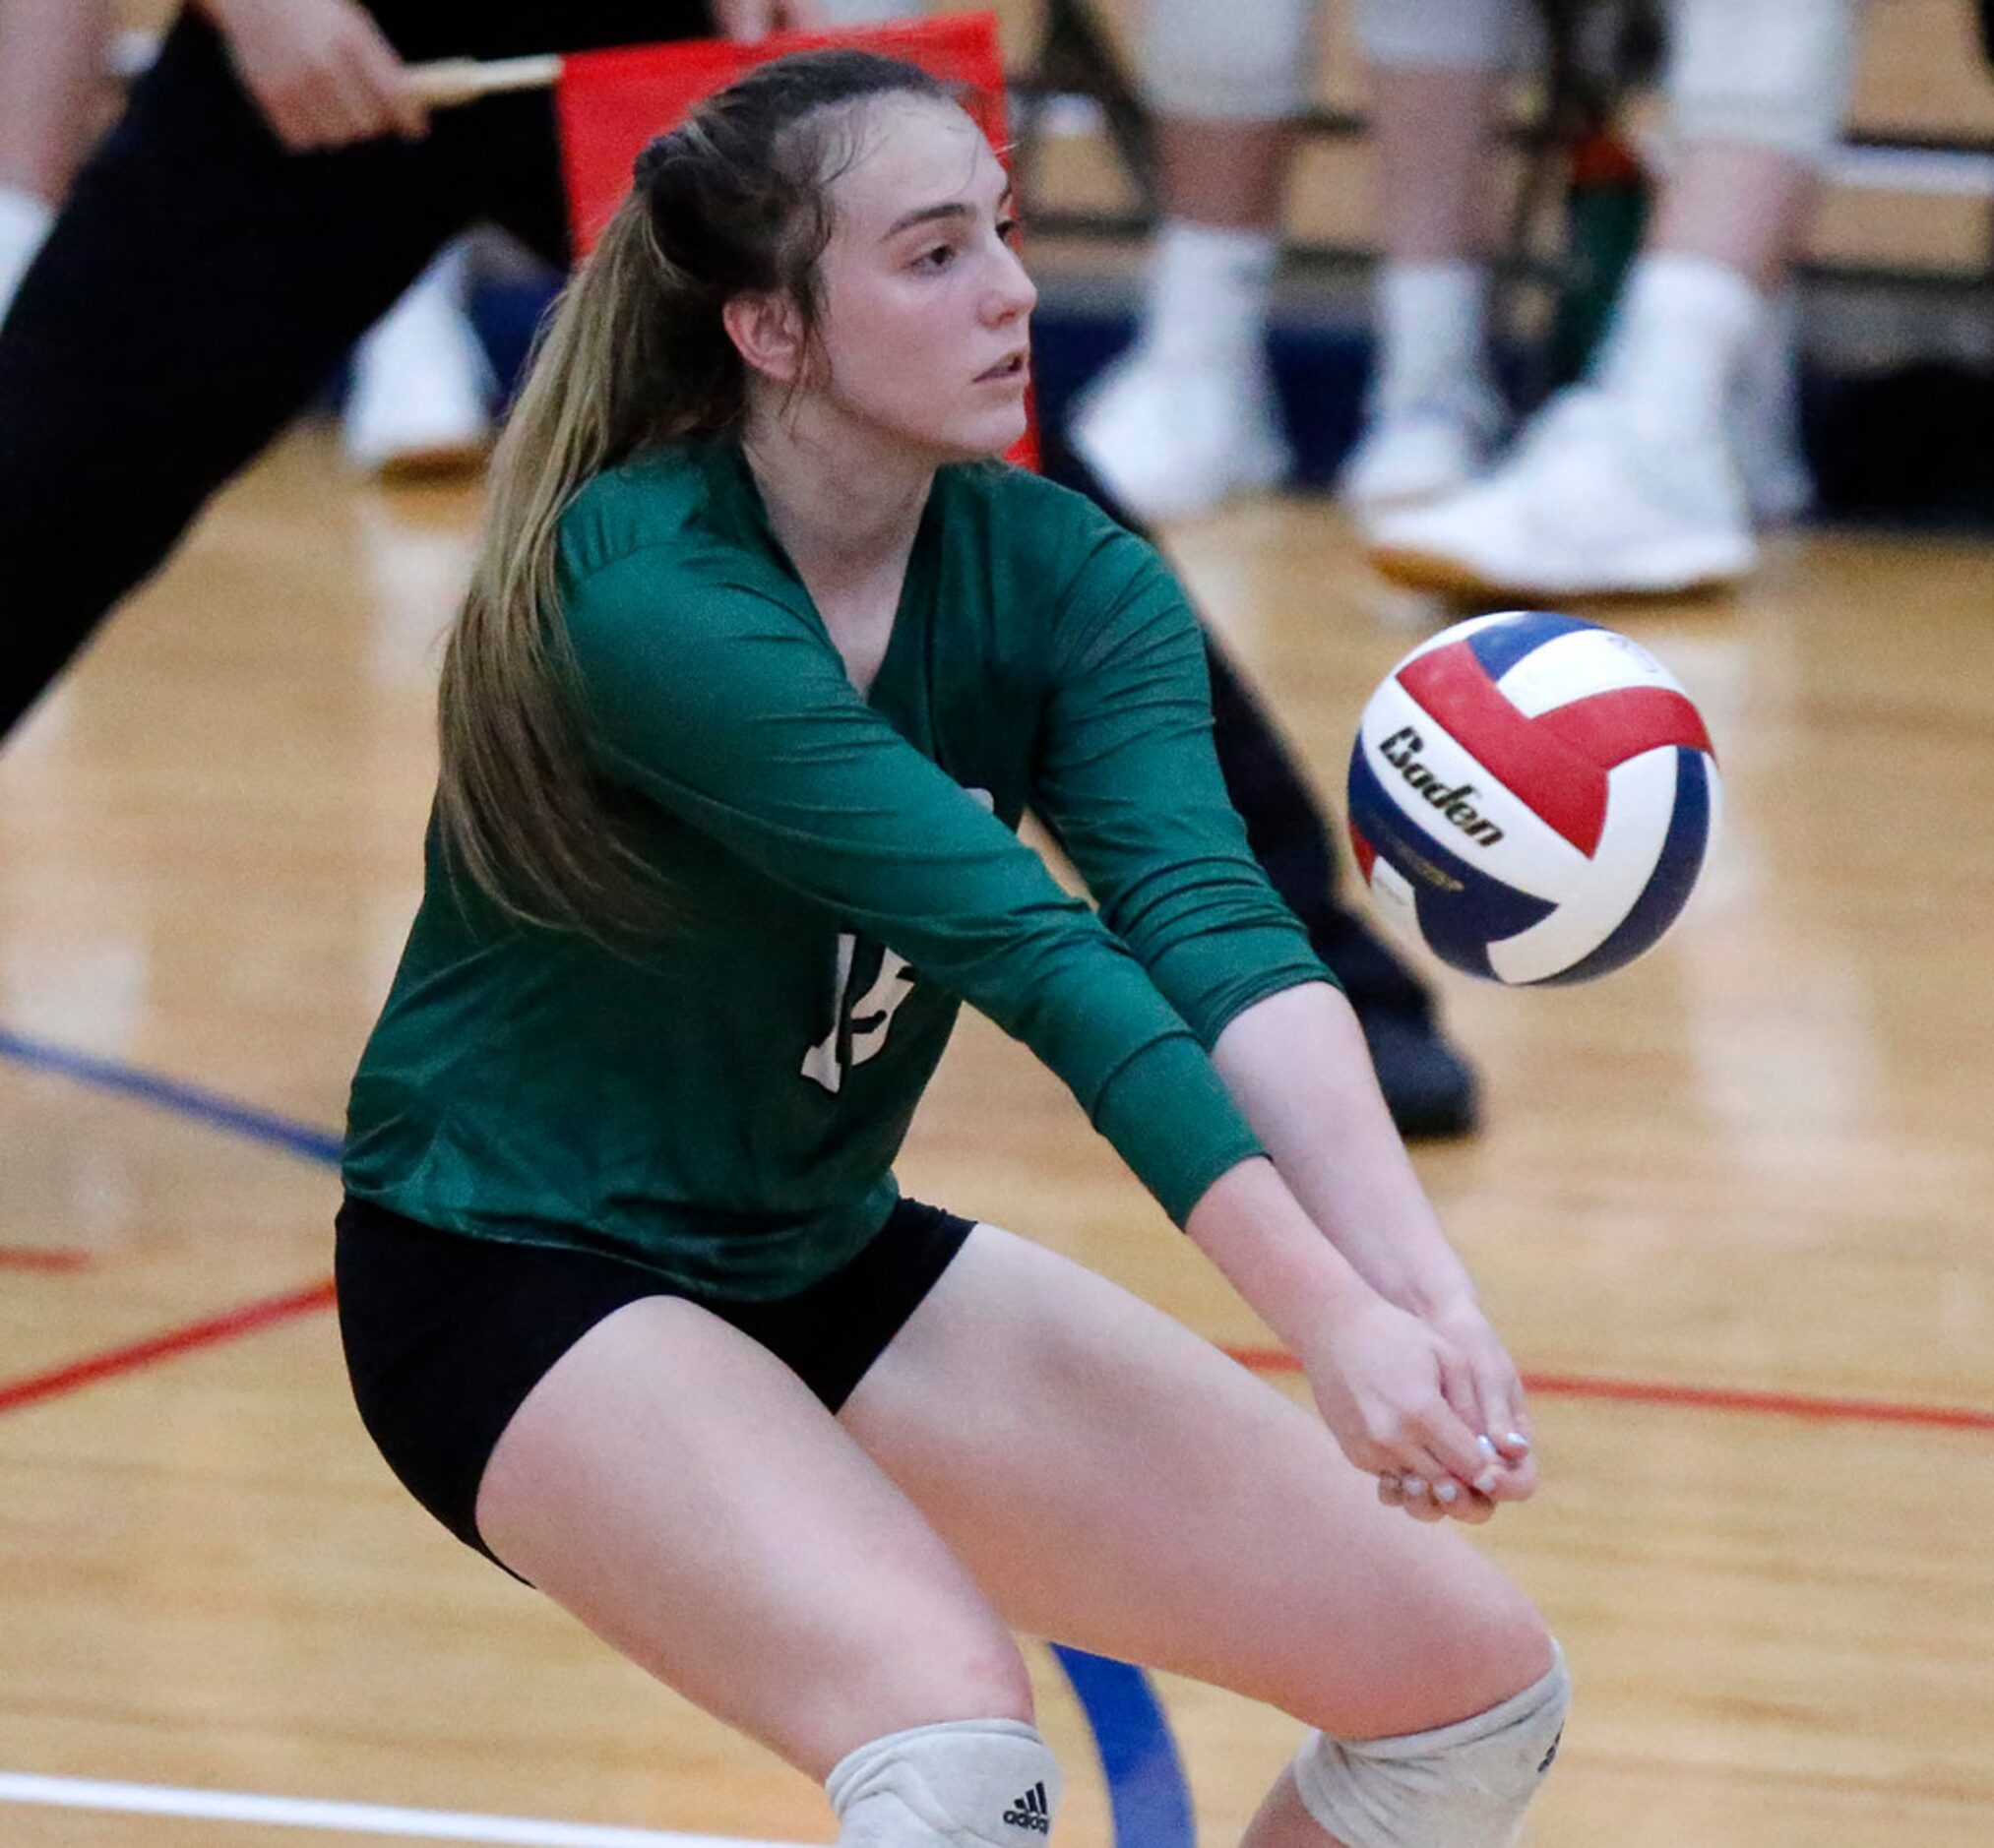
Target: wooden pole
x=452, y=81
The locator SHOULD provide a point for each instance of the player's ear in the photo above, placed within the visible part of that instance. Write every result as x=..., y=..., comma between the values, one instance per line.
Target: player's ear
x=767, y=331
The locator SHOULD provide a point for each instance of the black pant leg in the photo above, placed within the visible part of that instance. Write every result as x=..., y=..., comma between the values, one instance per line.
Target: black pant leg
x=1291, y=839
x=199, y=288
x=1287, y=830
x=202, y=283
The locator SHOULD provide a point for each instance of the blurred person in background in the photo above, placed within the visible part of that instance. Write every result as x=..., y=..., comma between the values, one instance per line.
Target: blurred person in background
x=421, y=389
x=1642, y=477
x=273, y=188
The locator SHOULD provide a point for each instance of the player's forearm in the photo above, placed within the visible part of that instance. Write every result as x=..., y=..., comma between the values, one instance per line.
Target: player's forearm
x=1269, y=1249
x=1297, y=1066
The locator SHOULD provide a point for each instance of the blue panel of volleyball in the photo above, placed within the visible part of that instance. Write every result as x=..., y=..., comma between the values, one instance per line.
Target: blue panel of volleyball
x=1533, y=797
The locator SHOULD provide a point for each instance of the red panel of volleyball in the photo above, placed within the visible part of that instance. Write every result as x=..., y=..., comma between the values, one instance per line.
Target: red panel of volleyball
x=1533, y=797
x=609, y=103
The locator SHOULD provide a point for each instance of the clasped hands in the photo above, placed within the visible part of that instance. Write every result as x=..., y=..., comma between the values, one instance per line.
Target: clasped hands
x=1429, y=1403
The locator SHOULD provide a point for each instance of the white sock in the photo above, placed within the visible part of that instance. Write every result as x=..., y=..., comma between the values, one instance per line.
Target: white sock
x=1679, y=335
x=1210, y=290
x=24, y=219
x=1431, y=333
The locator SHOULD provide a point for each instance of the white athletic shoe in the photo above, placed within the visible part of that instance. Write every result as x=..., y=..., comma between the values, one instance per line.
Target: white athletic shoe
x=1169, y=441
x=1421, y=450
x=1588, y=503
x=422, y=387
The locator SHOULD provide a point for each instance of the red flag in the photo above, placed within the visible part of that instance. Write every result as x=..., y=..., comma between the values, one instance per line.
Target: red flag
x=609, y=103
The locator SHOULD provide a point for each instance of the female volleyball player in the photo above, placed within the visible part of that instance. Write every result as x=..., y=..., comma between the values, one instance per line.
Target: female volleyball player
x=272, y=189
x=761, y=664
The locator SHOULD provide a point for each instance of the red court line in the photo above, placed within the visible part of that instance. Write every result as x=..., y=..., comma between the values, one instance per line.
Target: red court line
x=33, y=1258
x=1704, y=1398
x=227, y=1326
x=251, y=1318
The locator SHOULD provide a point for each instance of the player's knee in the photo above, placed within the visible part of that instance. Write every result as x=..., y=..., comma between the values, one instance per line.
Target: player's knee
x=1228, y=64
x=946, y=1786
x=1460, y=1786
x=1446, y=35
x=1772, y=74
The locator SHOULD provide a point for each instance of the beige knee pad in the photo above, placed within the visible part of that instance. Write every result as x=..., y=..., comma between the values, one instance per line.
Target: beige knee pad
x=1251, y=61
x=1460, y=1786
x=1768, y=73
x=1448, y=34
x=986, y=1783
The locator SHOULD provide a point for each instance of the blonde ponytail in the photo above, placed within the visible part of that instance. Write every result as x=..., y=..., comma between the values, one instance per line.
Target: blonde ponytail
x=634, y=353
x=518, y=802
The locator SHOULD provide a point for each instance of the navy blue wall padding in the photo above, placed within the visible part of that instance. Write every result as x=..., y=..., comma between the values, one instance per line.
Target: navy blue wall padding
x=1905, y=447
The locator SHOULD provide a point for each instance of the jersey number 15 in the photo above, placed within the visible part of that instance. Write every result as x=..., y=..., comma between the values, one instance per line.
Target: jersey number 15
x=860, y=1034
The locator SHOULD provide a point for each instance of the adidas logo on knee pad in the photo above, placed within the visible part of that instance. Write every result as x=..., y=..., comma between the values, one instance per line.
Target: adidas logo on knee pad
x=942, y=1786
x=1030, y=1812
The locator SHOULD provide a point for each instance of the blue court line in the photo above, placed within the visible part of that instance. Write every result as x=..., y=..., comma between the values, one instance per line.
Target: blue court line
x=174, y=1094
x=1147, y=1792
x=1147, y=1797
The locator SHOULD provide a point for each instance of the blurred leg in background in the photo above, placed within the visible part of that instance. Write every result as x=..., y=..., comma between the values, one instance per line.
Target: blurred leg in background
x=1634, y=479
x=1437, y=74
x=202, y=282
x=422, y=394
x=1187, y=416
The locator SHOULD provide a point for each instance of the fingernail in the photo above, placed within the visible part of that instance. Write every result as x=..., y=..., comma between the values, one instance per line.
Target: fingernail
x=1517, y=1441
x=1413, y=1486
x=1444, y=1493
x=1485, y=1482
x=1485, y=1444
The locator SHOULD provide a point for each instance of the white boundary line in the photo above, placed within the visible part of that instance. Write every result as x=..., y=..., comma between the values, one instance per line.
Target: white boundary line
x=350, y=1818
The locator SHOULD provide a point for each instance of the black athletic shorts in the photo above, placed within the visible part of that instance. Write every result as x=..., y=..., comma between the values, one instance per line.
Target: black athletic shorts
x=446, y=1334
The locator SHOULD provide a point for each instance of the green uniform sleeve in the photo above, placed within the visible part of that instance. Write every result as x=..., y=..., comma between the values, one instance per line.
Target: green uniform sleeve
x=732, y=712
x=1128, y=781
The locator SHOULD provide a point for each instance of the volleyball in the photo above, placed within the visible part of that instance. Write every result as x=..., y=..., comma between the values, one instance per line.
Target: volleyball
x=1533, y=797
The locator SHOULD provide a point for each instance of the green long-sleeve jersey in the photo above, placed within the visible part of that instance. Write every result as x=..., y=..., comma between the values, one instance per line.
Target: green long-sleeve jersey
x=727, y=1106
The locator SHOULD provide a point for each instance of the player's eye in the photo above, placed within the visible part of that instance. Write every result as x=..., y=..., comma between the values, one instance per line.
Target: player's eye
x=1008, y=228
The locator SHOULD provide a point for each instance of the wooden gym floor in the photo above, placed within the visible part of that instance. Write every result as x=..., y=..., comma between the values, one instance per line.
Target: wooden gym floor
x=1731, y=1209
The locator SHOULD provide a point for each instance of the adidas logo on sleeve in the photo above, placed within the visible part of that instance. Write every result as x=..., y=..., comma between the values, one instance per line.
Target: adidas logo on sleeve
x=1030, y=1812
